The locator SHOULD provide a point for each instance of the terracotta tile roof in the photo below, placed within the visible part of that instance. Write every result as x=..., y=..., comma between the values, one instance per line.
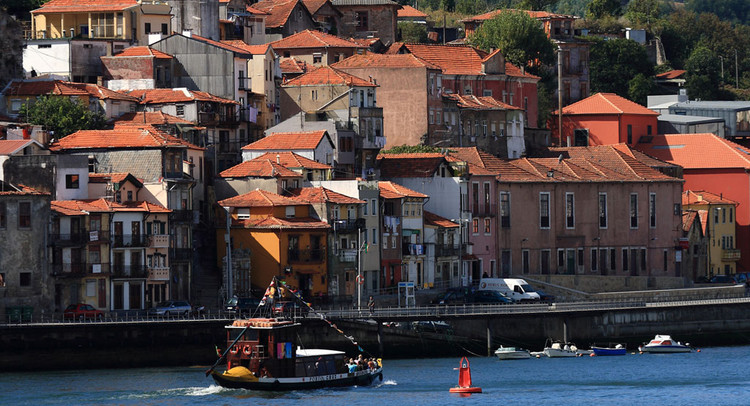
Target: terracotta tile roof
x=701, y=197
x=120, y=137
x=288, y=141
x=313, y=39
x=296, y=223
x=143, y=51
x=323, y=195
x=697, y=151
x=606, y=103
x=176, y=95
x=290, y=160
x=643, y=158
x=390, y=190
x=259, y=168
x=9, y=147
x=688, y=218
x=117, y=177
x=149, y=117
x=479, y=162
x=457, y=59
x=83, y=207
x=19, y=190
x=415, y=165
x=672, y=74
x=261, y=198
x=62, y=88
x=84, y=6
x=407, y=11
x=314, y=5
x=479, y=103
x=703, y=215
x=255, y=11
x=365, y=42
x=327, y=75
x=278, y=11
x=370, y=59
x=142, y=206
x=540, y=15
x=292, y=65
x=435, y=220
x=251, y=49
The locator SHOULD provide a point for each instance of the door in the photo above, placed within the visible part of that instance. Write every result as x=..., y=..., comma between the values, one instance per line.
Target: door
x=570, y=262
x=505, y=263
x=135, y=228
x=102, y=294
x=118, y=233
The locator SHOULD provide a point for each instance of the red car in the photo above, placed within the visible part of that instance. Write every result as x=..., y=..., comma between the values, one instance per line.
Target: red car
x=82, y=311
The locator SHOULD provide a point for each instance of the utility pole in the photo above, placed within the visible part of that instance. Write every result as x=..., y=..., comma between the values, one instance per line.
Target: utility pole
x=559, y=94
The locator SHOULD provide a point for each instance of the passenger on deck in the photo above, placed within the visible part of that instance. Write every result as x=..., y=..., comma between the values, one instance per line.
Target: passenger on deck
x=352, y=366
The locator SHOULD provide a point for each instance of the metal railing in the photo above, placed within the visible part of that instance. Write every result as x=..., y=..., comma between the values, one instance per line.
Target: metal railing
x=304, y=256
x=69, y=239
x=130, y=240
x=129, y=271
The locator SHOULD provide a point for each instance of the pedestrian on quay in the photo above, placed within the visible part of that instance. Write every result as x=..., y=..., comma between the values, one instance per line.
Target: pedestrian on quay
x=371, y=305
x=747, y=288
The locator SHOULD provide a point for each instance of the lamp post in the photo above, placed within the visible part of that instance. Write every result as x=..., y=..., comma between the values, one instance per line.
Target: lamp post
x=228, y=240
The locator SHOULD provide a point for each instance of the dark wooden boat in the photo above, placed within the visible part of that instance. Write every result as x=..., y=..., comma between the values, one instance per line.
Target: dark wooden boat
x=262, y=354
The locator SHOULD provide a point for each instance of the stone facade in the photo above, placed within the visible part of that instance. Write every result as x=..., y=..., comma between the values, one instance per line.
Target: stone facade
x=368, y=20
x=11, y=49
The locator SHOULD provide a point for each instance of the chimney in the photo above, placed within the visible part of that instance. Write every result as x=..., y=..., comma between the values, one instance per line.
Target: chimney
x=278, y=159
x=187, y=33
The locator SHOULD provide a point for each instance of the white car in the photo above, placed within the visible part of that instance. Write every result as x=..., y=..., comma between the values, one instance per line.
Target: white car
x=171, y=308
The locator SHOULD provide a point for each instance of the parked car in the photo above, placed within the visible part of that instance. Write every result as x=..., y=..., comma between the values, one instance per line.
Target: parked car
x=289, y=309
x=489, y=297
x=171, y=308
x=722, y=279
x=545, y=297
x=466, y=295
x=242, y=305
x=432, y=327
x=82, y=311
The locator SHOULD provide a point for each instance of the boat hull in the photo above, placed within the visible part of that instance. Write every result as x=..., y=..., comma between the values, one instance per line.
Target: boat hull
x=505, y=355
x=603, y=351
x=360, y=378
x=557, y=353
x=666, y=349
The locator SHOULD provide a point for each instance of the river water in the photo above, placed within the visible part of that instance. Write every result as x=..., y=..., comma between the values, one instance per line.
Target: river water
x=713, y=376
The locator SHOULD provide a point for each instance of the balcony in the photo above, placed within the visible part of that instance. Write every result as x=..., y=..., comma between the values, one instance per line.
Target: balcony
x=306, y=256
x=61, y=240
x=412, y=249
x=128, y=271
x=347, y=255
x=364, y=112
x=69, y=269
x=159, y=241
x=102, y=268
x=96, y=236
x=347, y=226
x=217, y=119
x=730, y=255
x=182, y=216
x=130, y=241
x=158, y=273
x=447, y=250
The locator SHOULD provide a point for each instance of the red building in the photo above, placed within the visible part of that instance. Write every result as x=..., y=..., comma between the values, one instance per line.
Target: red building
x=603, y=119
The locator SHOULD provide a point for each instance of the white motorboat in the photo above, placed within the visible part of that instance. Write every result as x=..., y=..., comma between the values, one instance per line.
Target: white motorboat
x=512, y=353
x=664, y=344
x=560, y=350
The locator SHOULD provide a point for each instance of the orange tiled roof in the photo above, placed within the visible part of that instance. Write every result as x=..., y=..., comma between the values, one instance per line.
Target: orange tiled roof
x=255, y=11
x=261, y=198
x=143, y=51
x=288, y=141
x=149, y=117
x=323, y=195
x=365, y=42
x=672, y=74
x=414, y=165
x=84, y=6
x=407, y=11
x=290, y=159
x=62, y=88
x=701, y=197
x=292, y=65
x=370, y=59
x=540, y=15
x=313, y=39
x=121, y=137
x=83, y=207
x=116, y=177
x=177, y=95
x=314, y=5
x=8, y=147
x=435, y=220
x=606, y=103
x=688, y=218
x=479, y=103
x=259, y=168
x=697, y=151
x=390, y=190
x=278, y=11
x=456, y=59
x=327, y=75
x=251, y=49
x=21, y=190
x=276, y=223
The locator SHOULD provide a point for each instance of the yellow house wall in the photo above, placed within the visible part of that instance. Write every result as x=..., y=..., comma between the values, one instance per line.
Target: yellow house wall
x=715, y=231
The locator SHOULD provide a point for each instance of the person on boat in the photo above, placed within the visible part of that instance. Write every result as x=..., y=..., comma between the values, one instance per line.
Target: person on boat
x=352, y=366
x=371, y=363
x=371, y=305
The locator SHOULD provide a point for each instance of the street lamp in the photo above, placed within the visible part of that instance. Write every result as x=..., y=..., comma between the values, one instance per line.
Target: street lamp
x=228, y=240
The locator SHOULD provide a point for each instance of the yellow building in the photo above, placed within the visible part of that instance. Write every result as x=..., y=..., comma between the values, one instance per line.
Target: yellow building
x=106, y=19
x=720, y=228
x=283, y=241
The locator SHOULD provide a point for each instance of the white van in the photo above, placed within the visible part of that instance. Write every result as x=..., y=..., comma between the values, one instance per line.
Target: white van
x=517, y=290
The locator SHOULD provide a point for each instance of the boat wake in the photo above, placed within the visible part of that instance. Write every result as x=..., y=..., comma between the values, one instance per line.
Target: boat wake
x=177, y=392
x=388, y=382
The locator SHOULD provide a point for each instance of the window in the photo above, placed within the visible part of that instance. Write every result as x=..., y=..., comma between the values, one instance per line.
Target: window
x=570, y=220
x=147, y=28
x=724, y=216
x=165, y=29
x=317, y=57
x=361, y=19
x=71, y=181
x=3, y=216
x=374, y=207
x=90, y=287
x=487, y=208
x=487, y=226
x=665, y=256
x=625, y=259
x=505, y=209
x=475, y=226
x=580, y=259
x=475, y=198
x=630, y=133
x=25, y=278
x=716, y=215
x=180, y=109
x=374, y=236
x=544, y=210
x=544, y=257
x=24, y=215
x=525, y=261
x=487, y=92
x=613, y=259
x=643, y=259
x=594, y=260
x=103, y=25
x=633, y=210
x=652, y=210
x=602, y=210
x=731, y=214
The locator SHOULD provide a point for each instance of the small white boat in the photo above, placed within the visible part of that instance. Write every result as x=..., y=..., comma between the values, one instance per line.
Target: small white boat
x=664, y=344
x=512, y=353
x=559, y=350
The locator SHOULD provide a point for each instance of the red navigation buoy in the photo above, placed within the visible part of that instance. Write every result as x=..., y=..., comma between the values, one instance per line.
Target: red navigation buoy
x=464, y=379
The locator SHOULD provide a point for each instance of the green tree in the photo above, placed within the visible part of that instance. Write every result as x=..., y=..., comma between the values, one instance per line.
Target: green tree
x=412, y=32
x=411, y=149
x=536, y=5
x=613, y=63
x=639, y=88
x=448, y=5
x=643, y=12
x=61, y=115
x=471, y=7
x=702, y=74
x=737, y=11
x=519, y=37
x=601, y=8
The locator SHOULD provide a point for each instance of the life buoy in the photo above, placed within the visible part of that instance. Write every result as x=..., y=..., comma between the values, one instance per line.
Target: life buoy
x=360, y=280
x=234, y=349
x=247, y=350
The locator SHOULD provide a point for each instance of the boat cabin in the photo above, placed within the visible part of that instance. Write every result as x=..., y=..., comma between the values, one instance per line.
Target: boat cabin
x=269, y=348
